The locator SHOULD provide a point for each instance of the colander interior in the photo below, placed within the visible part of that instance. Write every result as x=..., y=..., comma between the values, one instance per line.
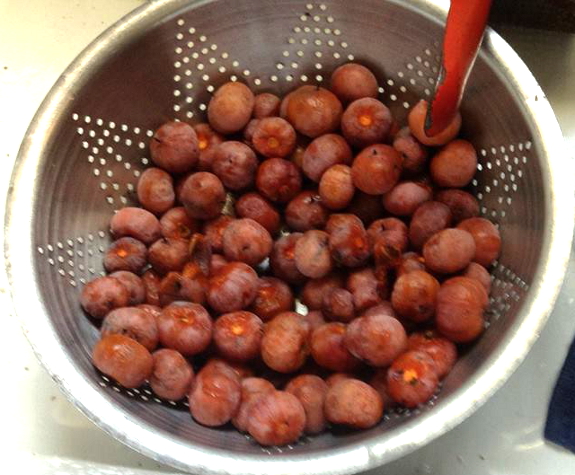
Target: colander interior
x=98, y=147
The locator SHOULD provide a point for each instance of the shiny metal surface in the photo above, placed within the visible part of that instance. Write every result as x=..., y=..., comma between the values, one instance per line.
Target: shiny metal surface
x=68, y=361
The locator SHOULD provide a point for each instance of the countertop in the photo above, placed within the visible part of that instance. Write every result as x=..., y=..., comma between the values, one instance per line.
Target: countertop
x=44, y=434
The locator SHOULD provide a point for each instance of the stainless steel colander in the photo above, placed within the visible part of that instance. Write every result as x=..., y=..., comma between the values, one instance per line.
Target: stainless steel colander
x=87, y=145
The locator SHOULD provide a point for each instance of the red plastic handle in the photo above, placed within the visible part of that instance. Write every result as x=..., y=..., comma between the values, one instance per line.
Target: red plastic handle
x=466, y=23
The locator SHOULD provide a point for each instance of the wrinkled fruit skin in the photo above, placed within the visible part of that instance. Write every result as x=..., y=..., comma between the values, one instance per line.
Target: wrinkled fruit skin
x=276, y=418
x=123, y=359
x=353, y=403
x=215, y=396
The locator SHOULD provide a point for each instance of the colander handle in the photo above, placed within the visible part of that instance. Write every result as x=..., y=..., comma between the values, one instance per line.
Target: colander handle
x=466, y=23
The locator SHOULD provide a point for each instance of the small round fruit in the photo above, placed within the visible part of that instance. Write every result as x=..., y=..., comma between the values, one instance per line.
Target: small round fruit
x=409, y=262
x=406, y=197
x=273, y=296
x=152, y=282
x=167, y=255
x=463, y=205
x=487, y=239
x=414, y=154
x=278, y=180
x=306, y=212
x=233, y=288
x=366, y=122
x=376, y=169
x=240, y=370
x=314, y=319
x=284, y=344
x=190, y=285
x=449, y=251
x=134, y=323
x=208, y=140
x=136, y=223
x=248, y=133
x=238, y=335
x=324, y=152
x=176, y=224
x=310, y=391
x=102, y=295
x=266, y=105
x=276, y=418
x=126, y=254
x=428, y=219
x=252, y=389
x=336, y=187
x=367, y=290
x=459, y=309
x=282, y=259
x=338, y=305
x=231, y=107
x=314, y=290
x=312, y=254
x=247, y=241
x=384, y=308
x=172, y=376
x=235, y=164
x=479, y=273
x=214, y=231
x=414, y=295
x=380, y=227
x=215, y=395
x=388, y=248
x=174, y=147
x=134, y=284
x=203, y=195
x=336, y=378
x=353, y=403
x=439, y=349
x=217, y=262
x=353, y=81
x=366, y=207
x=274, y=137
x=348, y=241
x=156, y=190
x=152, y=310
x=411, y=379
x=123, y=359
x=454, y=165
x=185, y=327
x=379, y=382
x=256, y=207
x=328, y=348
x=314, y=111
x=376, y=339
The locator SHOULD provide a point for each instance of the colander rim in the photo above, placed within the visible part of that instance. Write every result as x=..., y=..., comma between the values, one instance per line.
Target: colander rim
x=144, y=438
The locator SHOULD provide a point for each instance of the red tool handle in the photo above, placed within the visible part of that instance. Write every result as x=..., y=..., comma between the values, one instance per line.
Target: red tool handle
x=466, y=23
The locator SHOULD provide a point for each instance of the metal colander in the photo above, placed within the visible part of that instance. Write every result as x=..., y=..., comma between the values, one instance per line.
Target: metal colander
x=88, y=144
